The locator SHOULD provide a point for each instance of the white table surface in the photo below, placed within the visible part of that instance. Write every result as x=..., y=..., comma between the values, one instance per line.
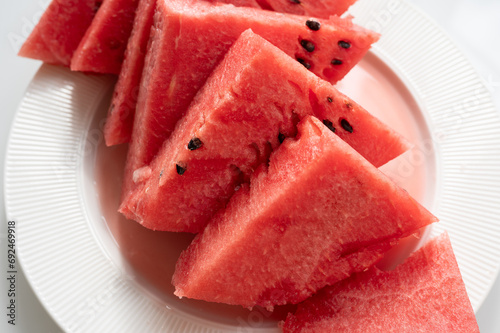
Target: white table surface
x=474, y=25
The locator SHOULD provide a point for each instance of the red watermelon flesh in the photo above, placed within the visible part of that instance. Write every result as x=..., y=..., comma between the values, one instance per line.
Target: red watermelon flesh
x=121, y=115
x=424, y=294
x=118, y=128
x=59, y=31
x=254, y=99
x=314, y=8
x=190, y=38
x=318, y=213
x=102, y=48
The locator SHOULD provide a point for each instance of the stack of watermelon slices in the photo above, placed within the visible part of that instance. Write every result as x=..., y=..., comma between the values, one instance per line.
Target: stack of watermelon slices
x=88, y=35
x=92, y=35
x=236, y=138
x=315, y=214
x=201, y=34
x=251, y=102
x=121, y=116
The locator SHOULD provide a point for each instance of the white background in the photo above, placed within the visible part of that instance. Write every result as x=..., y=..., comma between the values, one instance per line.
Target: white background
x=474, y=25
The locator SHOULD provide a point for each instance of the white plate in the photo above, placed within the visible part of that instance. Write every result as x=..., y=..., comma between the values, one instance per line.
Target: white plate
x=95, y=271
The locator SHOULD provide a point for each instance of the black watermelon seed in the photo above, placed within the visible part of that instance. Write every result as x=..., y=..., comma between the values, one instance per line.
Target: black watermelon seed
x=329, y=124
x=313, y=25
x=336, y=62
x=161, y=173
x=345, y=125
x=180, y=170
x=304, y=63
x=281, y=138
x=345, y=45
x=307, y=45
x=295, y=1
x=329, y=99
x=194, y=144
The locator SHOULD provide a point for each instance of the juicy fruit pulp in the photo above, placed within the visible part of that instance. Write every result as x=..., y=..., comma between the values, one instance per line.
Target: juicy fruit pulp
x=252, y=101
x=102, y=48
x=190, y=38
x=120, y=119
x=318, y=213
x=62, y=26
x=424, y=294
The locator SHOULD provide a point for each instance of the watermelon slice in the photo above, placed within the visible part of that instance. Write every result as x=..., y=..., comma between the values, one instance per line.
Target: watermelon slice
x=102, y=48
x=315, y=8
x=252, y=101
x=121, y=115
x=424, y=294
x=190, y=38
x=59, y=31
x=317, y=214
x=118, y=128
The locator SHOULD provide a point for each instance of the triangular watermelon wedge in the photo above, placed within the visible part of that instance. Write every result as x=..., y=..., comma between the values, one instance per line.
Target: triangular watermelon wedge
x=121, y=114
x=59, y=31
x=120, y=120
x=318, y=213
x=190, y=38
x=102, y=48
x=252, y=101
x=424, y=294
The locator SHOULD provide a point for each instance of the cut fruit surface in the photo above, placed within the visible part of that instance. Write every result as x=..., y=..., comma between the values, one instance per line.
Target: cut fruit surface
x=120, y=118
x=252, y=101
x=59, y=31
x=424, y=294
x=318, y=213
x=102, y=48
